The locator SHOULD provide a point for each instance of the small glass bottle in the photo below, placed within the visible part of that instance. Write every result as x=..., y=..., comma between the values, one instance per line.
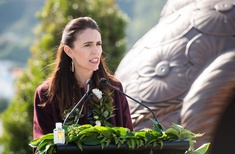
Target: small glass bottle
x=59, y=135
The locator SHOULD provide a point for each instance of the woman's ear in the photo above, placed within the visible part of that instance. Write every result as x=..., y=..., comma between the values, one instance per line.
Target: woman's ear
x=68, y=50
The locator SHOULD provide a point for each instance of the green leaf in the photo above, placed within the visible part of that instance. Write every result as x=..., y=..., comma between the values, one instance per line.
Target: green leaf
x=121, y=131
x=91, y=140
x=150, y=139
x=172, y=133
x=48, y=149
x=141, y=134
x=79, y=145
x=105, y=131
x=88, y=131
x=36, y=142
x=157, y=126
x=106, y=113
x=201, y=150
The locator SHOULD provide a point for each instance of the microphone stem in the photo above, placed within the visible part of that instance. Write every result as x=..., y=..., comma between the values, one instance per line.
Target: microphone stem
x=89, y=81
x=74, y=108
x=135, y=101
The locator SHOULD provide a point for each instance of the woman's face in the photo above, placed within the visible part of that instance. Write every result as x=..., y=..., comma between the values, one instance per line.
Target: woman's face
x=86, y=51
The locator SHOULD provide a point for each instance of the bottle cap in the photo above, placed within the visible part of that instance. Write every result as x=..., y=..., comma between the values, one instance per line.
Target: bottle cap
x=58, y=125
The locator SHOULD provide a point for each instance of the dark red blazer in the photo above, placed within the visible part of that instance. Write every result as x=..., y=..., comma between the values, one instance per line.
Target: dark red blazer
x=45, y=117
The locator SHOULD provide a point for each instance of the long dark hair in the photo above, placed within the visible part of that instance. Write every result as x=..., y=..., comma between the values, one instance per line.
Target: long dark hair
x=63, y=88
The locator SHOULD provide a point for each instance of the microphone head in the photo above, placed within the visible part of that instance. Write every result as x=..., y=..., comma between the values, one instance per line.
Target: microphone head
x=103, y=81
x=88, y=82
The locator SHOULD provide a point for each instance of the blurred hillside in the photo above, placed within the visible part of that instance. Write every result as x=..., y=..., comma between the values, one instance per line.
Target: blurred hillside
x=16, y=28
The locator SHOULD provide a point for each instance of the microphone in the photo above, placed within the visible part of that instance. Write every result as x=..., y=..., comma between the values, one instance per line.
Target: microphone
x=156, y=123
x=88, y=83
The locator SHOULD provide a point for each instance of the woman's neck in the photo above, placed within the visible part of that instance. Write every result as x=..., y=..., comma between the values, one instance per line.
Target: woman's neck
x=82, y=78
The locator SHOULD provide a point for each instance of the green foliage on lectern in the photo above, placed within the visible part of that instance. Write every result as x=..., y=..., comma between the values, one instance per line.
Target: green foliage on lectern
x=104, y=136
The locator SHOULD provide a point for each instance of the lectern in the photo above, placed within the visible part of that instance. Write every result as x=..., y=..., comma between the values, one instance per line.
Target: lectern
x=174, y=147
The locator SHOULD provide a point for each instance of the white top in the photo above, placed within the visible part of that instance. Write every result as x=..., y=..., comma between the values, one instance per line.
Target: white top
x=58, y=125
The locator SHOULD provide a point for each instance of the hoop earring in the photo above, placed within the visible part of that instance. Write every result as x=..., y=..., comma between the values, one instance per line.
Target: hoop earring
x=72, y=67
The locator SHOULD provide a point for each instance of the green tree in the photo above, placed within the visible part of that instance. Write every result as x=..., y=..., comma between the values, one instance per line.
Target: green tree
x=17, y=119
